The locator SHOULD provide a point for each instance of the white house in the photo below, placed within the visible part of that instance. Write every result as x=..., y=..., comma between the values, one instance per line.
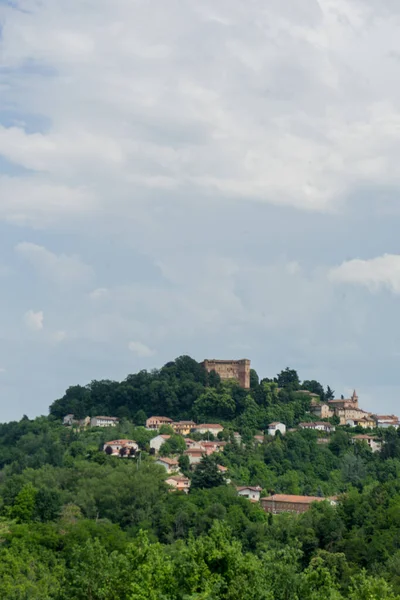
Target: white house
x=171, y=465
x=158, y=441
x=68, y=420
x=318, y=426
x=250, y=492
x=104, y=421
x=373, y=442
x=213, y=428
x=117, y=445
x=385, y=421
x=274, y=427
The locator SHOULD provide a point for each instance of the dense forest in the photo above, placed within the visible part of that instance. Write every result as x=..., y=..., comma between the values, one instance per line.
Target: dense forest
x=77, y=524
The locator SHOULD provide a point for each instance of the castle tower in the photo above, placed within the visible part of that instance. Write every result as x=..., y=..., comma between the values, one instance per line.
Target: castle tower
x=230, y=369
x=354, y=398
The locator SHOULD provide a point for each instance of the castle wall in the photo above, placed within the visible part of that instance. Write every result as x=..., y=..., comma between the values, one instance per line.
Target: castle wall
x=231, y=369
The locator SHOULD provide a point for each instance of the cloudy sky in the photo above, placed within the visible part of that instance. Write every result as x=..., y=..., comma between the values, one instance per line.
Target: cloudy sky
x=217, y=178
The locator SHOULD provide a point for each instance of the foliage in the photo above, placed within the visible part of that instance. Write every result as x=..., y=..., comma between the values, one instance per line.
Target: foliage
x=78, y=523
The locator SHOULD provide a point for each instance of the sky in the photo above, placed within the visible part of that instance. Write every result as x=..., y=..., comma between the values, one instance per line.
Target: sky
x=215, y=178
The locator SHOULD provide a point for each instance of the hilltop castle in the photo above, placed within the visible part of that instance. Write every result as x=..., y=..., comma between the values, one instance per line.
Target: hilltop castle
x=230, y=369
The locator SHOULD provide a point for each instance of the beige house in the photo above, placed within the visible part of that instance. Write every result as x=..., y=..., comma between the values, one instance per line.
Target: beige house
x=179, y=483
x=373, y=442
x=203, y=428
x=195, y=455
x=183, y=427
x=366, y=421
x=171, y=465
x=156, y=422
x=321, y=410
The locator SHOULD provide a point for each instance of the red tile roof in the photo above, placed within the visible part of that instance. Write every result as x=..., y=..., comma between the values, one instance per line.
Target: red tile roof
x=121, y=442
x=209, y=425
x=295, y=499
x=168, y=461
x=253, y=488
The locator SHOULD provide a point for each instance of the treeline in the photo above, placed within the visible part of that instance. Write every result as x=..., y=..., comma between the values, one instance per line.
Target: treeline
x=182, y=389
x=77, y=524
x=110, y=530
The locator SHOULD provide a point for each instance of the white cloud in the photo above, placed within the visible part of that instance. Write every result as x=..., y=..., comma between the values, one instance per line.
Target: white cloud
x=141, y=350
x=59, y=336
x=98, y=293
x=375, y=273
x=287, y=106
x=34, y=320
x=61, y=269
x=40, y=202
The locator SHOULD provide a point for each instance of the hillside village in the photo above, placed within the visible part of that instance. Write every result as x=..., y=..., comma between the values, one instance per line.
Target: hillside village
x=180, y=446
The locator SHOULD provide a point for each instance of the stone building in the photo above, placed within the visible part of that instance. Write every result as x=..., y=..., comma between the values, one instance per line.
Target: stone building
x=230, y=369
x=279, y=503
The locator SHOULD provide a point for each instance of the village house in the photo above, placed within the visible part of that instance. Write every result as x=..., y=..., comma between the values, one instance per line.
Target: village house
x=279, y=503
x=156, y=422
x=69, y=420
x=203, y=428
x=179, y=483
x=258, y=439
x=224, y=472
x=195, y=455
x=157, y=441
x=171, y=465
x=321, y=410
x=365, y=421
x=121, y=447
x=373, y=442
x=237, y=437
x=183, y=427
x=189, y=442
x=250, y=492
x=385, y=421
x=276, y=426
x=104, y=421
x=211, y=447
x=318, y=426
